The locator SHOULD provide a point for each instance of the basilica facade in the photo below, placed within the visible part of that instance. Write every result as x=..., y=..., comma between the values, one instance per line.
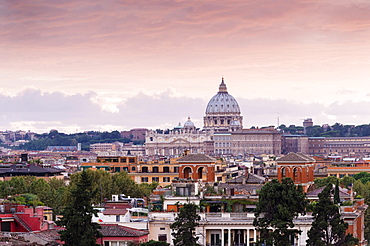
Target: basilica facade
x=222, y=133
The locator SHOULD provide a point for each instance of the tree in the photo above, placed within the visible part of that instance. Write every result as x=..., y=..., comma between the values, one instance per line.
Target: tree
x=278, y=204
x=347, y=181
x=77, y=215
x=184, y=226
x=367, y=224
x=336, y=193
x=327, y=228
x=321, y=182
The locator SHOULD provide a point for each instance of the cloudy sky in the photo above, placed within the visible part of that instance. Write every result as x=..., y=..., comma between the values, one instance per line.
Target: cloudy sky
x=78, y=65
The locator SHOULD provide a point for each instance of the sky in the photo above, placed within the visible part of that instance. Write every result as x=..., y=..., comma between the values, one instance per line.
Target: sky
x=77, y=65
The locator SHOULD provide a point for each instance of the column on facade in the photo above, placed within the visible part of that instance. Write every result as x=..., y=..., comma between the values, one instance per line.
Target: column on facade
x=222, y=237
x=254, y=235
x=247, y=237
x=228, y=237
x=243, y=235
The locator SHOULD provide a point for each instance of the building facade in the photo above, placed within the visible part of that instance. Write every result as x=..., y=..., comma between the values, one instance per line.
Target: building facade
x=175, y=142
x=222, y=134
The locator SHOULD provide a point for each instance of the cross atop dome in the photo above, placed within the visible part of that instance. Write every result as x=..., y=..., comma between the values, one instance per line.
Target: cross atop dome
x=222, y=88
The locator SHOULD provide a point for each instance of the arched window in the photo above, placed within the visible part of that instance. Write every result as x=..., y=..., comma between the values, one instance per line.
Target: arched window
x=187, y=172
x=200, y=173
x=283, y=172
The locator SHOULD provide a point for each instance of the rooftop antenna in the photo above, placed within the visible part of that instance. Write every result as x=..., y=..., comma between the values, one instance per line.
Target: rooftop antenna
x=278, y=119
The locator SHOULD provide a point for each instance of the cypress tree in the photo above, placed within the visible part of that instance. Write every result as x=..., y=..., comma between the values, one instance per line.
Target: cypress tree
x=77, y=215
x=336, y=193
x=278, y=204
x=184, y=226
x=327, y=228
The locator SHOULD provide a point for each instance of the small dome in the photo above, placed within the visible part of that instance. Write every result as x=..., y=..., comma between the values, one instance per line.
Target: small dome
x=222, y=102
x=235, y=123
x=179, y=126
x=188, y=123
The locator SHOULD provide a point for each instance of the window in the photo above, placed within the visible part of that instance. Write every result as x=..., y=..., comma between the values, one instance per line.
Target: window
x=155, y=179
x=117, y=218
x=5, y=226
x=116, y=243
x=144, y=179
x=144, y=169
x=166, y=169
x=155, y=169
x=133, y=168
x=176, y=169
x=166, y=179
x=162, y=237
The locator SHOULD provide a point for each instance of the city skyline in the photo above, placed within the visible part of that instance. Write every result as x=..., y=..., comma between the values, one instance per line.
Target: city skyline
x=89, y=65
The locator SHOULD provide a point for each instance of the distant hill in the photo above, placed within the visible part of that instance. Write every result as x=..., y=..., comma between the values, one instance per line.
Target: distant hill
x=336, y=130
x=54, y=138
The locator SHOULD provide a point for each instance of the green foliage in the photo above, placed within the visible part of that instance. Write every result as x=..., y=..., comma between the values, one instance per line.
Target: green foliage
x=346, y=181
x=362, y=189
x=55, y=194
x=336, y=193
x=321, y=182
x=77, y=215
x=363, y=176
x=55, y=138
x=28, y=199
x=347, y=203
x=184, y=226
x=350, y=240
x=311, y=206
x=154, y=243
x=50, y=193
x=367, y=225
x=107, y=184
x=336, y=130
x=278, y=204
x=327, y=228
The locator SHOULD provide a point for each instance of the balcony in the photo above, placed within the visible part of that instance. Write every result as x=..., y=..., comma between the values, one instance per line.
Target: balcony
x=170, y=216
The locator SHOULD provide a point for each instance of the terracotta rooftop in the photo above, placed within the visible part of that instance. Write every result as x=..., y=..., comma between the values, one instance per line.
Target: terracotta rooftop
x=112, y=230
x=196, y=158
x=115, y=211
x=295, y=157
x=49, y=235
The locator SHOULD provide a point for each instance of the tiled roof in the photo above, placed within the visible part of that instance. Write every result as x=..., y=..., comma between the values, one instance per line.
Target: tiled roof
x=115, y=211
x=255, y=179
x=250, y=178
x=196, y=158
x=49, y=235
x=343, y=193
x=112, y=230
x=295, y=157
x=26, y=169
x=246, y=187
